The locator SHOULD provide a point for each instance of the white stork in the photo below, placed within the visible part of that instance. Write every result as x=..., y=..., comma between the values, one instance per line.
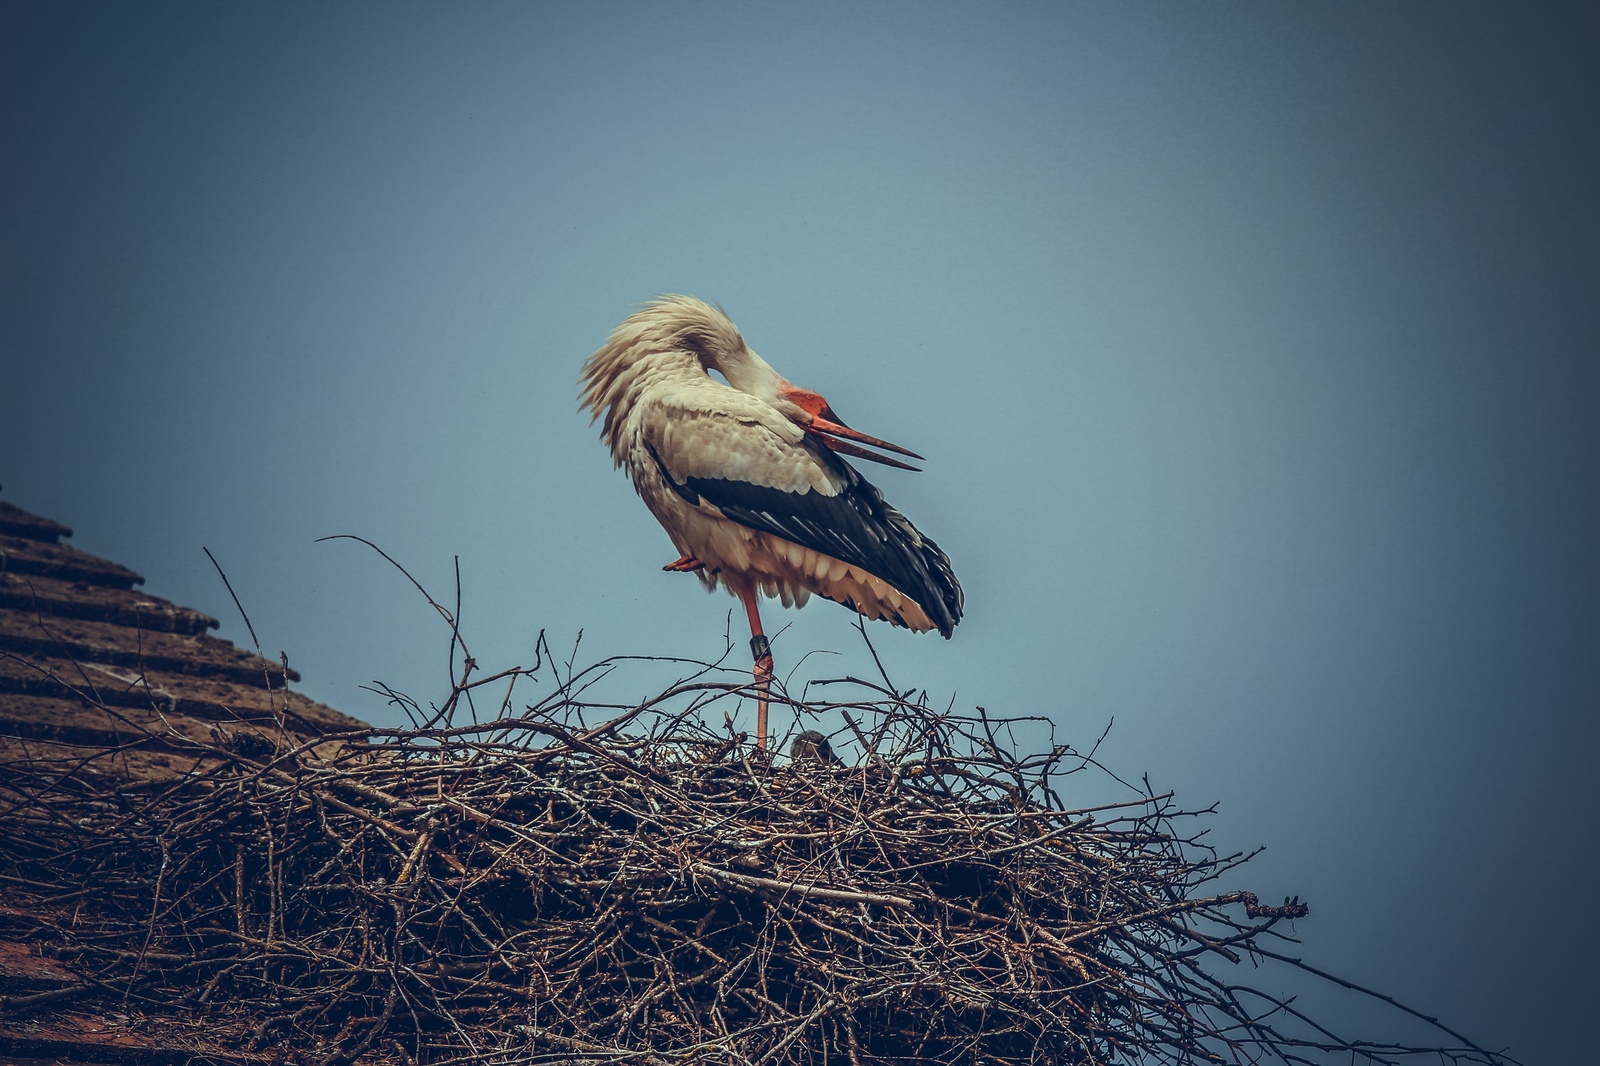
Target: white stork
x=747, y=478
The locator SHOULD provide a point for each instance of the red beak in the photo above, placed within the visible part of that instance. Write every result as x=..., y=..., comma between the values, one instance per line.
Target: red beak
x=827, y=427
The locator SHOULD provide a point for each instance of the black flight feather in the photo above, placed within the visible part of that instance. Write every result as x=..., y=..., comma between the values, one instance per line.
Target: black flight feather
x=856, y=527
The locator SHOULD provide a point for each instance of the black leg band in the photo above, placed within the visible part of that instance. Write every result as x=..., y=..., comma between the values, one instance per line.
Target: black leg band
x=760, y=648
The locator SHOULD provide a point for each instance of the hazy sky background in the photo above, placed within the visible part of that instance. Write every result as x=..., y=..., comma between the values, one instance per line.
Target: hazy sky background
x=1255, y=350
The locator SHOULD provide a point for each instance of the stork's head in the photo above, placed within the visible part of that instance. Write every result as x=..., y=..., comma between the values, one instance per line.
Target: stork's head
x=672, y=328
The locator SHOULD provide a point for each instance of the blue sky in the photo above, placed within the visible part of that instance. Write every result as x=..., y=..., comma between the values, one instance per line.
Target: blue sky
x=1253, y=349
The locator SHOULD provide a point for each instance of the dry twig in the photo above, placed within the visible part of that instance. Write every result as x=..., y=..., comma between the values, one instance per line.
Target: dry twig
x=646, y=889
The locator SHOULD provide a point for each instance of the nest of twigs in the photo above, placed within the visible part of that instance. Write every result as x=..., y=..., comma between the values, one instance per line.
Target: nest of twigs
x=571, y=882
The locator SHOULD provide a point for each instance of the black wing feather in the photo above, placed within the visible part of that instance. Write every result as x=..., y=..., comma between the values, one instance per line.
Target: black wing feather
x=856, y=526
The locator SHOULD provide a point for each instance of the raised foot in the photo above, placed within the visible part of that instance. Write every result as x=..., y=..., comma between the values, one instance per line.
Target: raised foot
x=688, y=564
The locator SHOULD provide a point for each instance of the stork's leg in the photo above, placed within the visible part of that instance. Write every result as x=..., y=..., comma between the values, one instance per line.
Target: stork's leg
x=687, y=564
x=763, y=669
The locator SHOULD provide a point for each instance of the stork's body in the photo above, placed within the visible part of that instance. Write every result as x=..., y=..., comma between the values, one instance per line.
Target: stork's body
x=748, y=481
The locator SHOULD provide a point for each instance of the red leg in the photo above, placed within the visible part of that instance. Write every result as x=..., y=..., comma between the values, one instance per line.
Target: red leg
x=688, y=564
x=763, y=668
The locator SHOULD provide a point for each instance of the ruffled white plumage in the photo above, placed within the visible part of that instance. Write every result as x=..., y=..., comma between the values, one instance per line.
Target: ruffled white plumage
x=673, y=427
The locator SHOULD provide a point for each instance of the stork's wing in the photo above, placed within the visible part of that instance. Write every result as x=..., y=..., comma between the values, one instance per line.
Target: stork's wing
x=775, y=478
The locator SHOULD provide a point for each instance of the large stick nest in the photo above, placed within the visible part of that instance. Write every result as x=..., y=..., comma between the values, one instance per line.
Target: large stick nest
x=576, y=882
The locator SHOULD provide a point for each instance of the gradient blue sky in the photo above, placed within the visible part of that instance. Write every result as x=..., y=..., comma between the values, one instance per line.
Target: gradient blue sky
x=1255, y=350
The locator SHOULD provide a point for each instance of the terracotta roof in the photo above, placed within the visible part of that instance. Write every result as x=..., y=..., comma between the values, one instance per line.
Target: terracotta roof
x=76, y=637
x=89, y=661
